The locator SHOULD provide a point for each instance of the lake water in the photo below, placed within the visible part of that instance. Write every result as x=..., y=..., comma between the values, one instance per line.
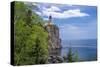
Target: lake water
x=86, y=49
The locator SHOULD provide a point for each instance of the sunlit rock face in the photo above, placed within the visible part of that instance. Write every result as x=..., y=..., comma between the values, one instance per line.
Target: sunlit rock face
x=54, y=41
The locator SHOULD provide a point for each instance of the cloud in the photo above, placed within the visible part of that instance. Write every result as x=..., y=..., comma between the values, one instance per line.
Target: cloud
x=75, y=13
x=39, y=13
x=35, y=4
x=52, y=9
x=56, y=12
x=65, y=14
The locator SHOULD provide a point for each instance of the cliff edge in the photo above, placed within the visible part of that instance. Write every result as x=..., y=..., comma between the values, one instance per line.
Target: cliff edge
x=54, y=41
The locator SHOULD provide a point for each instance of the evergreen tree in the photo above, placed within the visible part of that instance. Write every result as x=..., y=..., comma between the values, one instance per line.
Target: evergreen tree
x=30, y=38
x=70, y=55
x=76, y=57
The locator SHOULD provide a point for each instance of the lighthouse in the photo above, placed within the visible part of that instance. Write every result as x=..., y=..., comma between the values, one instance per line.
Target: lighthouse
x=50, y=23
x=54, y=41
x=50, y=18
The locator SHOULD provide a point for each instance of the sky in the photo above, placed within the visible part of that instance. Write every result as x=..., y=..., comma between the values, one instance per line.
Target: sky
x=74, y=21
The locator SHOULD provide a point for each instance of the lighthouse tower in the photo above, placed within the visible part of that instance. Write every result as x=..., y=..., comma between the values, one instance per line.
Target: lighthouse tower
x=50, y=21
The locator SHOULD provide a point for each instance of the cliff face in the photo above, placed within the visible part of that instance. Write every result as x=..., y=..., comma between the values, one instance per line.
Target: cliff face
x=54, y=41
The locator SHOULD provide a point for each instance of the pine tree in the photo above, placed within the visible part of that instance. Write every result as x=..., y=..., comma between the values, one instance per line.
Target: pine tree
x=30, y=38
x=70, y=55
x=76, y=57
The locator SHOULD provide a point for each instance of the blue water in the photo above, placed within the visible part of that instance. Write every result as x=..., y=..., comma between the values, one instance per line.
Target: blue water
x=86, y=49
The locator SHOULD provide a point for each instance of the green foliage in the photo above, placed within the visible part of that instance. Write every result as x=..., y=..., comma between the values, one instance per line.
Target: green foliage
x=30, y=38
x=70, y=55
x=76, y=57
x=20, y=11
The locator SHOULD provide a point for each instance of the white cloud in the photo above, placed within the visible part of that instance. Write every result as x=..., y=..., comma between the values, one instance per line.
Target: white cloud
x=51, y=9
x=35, y=4
x=65, y=14
x=75, y=13
x=56, y=12
x=39, y=13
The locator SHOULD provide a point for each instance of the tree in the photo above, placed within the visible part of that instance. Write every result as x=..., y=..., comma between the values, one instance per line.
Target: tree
x=30, y=38
x=70, y=55
x=39, y=59
x=76, y=57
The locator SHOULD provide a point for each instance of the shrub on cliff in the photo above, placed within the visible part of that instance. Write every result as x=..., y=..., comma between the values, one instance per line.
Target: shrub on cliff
x=30, y=38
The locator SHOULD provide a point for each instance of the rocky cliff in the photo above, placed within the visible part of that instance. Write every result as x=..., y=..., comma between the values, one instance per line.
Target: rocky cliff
x=54, y=41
